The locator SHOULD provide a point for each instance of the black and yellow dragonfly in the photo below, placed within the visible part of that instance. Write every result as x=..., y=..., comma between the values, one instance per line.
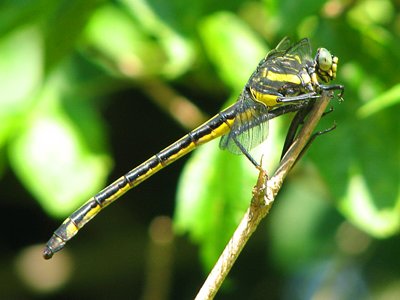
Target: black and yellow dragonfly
x=284, y=81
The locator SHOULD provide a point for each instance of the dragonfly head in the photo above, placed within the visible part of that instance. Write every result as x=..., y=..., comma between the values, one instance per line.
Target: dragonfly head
x=326, y=65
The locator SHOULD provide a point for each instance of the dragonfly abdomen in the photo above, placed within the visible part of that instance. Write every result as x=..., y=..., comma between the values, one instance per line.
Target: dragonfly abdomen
x=215, y=127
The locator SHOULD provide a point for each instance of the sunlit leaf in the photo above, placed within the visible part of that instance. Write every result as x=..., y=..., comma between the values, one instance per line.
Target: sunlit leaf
x=383, y=101
x=178, y=49
x=20, y=75
x=362, y=169
x=15, y=14
x=300, y=220
x=214, y=191
x=64, y=26
x=52, y=157
x=234, y=49
x=292, y=13
x=121, y=45
x=363, y=210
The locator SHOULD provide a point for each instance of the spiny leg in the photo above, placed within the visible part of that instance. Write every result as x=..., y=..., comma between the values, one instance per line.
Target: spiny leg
x=313, y=137
x=297, y=121
x=302, y=97
x=335, y=87
x=246, y=153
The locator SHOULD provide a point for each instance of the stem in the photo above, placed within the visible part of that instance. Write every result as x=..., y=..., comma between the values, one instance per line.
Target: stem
x=263, y=197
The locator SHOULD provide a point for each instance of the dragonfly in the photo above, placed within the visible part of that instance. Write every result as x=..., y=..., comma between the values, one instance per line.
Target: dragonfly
x=284, y=81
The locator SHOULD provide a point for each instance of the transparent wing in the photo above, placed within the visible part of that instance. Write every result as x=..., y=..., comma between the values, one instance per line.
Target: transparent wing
x=302, y=49
x=250, y=127
x=279, y=50
x=284, y=44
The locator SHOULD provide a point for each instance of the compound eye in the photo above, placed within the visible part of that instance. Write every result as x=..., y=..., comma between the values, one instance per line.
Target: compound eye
x=324, y=59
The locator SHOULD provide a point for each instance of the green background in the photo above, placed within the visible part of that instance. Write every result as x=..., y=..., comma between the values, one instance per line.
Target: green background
x=90, y=89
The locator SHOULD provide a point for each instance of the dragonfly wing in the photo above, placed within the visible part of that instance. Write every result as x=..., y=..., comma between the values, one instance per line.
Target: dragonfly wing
x=250, y=127
x=302, y=50
x=279, y=50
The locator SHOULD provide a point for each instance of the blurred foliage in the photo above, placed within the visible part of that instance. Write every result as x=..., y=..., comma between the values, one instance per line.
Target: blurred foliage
x=61, y=61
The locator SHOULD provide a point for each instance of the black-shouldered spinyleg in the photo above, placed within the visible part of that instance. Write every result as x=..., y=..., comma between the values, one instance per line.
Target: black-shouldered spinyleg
x=284, y=81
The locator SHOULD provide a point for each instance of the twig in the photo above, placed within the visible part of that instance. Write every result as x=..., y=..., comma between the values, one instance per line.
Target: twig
x=263, y=197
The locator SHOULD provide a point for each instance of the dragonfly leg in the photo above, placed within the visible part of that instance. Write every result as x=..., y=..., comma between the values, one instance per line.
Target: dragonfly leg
x=335, y=87
x=294, y=126
x=331, y=109
x=313, y=137
x=301, y=97
x=246, y=153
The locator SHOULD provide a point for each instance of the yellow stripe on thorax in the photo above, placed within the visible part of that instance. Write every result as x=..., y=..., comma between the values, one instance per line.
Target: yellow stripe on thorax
x=268, y=99
x=283, y=77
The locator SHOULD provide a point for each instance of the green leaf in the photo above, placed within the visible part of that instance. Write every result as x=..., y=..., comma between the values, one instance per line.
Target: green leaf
x=51, y=154
x=20, y=76
x=360, y=207
x=213, y=193
x=124, y=47
x=63, y=27
x=232, y=46
x=15, y=14
x=365, y=176
x=178, y=48
x=302, y=221
x=383, y=101
x=292, y=13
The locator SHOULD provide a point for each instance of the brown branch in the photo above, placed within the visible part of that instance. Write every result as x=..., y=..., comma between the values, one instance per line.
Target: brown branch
x=263, y=197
